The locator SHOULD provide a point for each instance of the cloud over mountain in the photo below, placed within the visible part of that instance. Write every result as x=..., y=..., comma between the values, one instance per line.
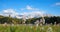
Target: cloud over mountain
x=34, y=12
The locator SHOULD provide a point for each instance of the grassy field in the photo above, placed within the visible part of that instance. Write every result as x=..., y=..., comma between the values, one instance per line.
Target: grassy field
x=29, y=28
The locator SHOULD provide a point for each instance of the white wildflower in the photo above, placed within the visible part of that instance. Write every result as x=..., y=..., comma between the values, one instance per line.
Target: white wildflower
x=40, y=24
x=36, y=25
x=49, y=29
x=30, y=26
x=5, y=24
x=12, y=25
x=42, y=28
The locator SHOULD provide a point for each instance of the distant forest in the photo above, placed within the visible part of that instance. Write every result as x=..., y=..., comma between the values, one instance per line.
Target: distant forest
x=10, y=20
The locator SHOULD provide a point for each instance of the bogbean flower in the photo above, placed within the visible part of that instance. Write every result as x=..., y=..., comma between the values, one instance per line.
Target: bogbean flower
x=42, y=28
x=31, y=27
x=40, y=24
x=37, y=23
x=51, y=23
x=5, y=24
x=49, y=29
x=54, y=23
x=12, y=25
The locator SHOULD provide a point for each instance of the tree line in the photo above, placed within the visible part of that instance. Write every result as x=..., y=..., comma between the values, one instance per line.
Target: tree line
x=10, y=20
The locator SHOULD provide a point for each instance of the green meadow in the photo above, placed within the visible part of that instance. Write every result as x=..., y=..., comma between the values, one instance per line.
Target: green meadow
x=29, y=28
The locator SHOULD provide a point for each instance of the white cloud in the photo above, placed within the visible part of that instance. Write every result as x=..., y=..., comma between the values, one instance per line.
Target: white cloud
x=58, y=3
x=35, y=12
x=26, y=8
x=29, y=7
x=11, y=12
x=22, y=9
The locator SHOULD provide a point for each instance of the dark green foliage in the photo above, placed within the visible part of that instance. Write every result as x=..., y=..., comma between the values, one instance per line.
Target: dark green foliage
x=10, y=20
x=52, y=20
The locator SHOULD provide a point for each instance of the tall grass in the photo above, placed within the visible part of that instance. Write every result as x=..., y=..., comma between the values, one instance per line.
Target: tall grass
x=28, y=28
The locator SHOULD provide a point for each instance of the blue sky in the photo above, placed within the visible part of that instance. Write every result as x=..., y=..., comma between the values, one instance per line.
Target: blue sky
x=28, y=6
